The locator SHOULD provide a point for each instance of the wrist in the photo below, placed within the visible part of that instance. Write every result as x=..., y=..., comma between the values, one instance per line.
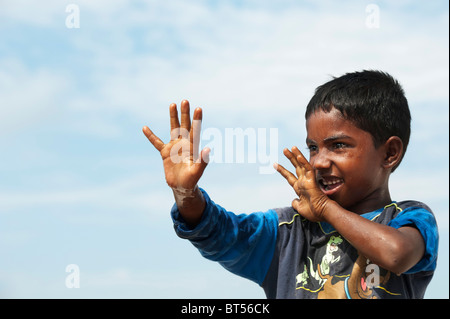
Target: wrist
x=324, y=208
x=190, y=203
x=329, y=210
x=185, y=196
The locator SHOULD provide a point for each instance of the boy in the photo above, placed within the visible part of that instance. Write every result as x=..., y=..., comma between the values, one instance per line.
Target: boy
x=343, y=237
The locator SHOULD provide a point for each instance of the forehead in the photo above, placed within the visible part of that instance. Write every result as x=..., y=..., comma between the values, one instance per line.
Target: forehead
x=321, y=125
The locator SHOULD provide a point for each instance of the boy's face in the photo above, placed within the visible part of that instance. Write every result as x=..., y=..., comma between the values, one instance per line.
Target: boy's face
x=348, y=167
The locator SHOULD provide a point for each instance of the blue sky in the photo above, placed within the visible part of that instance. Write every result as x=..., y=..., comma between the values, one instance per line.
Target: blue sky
x=80, y=184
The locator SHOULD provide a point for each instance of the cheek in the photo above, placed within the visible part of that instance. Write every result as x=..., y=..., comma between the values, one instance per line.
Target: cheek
x=361, y=162
x=356, y=172
x=361, y=176
x=348, y=163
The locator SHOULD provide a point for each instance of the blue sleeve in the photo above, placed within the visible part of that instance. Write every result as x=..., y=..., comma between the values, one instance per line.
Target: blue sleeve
x=425, y=222
x=243, y=244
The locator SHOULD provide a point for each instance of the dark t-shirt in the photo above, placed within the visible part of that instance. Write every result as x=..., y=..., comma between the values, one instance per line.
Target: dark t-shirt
x=291, y=257
x=312, y=260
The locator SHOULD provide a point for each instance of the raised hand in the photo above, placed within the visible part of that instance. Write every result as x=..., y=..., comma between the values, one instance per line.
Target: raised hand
x=312, y=201
x=183, y=165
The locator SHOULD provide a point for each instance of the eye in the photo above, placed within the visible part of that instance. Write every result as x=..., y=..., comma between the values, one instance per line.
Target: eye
x=312, y=148
x=339, y=145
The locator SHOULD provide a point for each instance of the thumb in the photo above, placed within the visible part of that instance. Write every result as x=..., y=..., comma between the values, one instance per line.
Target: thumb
x=203, y=161
x=296, y=204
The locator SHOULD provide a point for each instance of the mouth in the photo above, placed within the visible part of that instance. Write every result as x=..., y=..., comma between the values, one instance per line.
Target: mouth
x=330, y=184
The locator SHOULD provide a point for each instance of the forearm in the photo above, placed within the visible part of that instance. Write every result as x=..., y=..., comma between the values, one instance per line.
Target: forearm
x=190, y=203
x=242, y=243
x=389, y=248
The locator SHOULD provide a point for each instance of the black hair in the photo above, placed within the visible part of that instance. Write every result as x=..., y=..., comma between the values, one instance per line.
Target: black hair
x=373, y=100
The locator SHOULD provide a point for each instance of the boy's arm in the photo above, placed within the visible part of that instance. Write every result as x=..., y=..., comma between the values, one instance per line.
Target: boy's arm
x=393, y=249
x=396, y=250
x=183, y=165
x=242, y=243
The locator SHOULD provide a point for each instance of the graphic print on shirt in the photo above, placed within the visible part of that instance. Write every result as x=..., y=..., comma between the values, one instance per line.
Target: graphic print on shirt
x=360, y=282
x=313, y=276
x=327, y=260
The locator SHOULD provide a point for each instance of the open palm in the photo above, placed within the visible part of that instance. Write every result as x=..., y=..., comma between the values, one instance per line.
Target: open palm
x=311, y=200
x=183, y=165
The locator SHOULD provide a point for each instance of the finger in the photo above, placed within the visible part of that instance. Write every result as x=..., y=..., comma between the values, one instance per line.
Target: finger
x=155, y=140
x=296, y=204
x=291, y=178
x=301, y=159
x=291, y=157
x=185, y=116
x=204, y=160
x=174, y=123
x=301, y=168
x=195, y=133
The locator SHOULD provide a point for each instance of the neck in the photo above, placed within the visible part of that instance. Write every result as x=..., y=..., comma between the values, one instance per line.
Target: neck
x=375, y=200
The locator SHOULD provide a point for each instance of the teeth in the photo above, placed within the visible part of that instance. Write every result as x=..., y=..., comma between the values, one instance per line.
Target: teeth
x=332, y=182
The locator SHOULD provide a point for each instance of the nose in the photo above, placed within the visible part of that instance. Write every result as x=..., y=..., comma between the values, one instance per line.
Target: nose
x=320, y=160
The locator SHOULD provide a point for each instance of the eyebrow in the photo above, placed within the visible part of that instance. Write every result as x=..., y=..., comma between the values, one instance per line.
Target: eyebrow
x=330, y=138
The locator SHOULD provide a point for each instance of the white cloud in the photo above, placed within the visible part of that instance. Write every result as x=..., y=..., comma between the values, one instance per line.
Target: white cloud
x=228, y=58
x=125, y=282
x=28, y=96
x=254, y=59
x=93, y=205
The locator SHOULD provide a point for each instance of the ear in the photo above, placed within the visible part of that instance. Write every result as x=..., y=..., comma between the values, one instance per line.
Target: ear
x=393, y=152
